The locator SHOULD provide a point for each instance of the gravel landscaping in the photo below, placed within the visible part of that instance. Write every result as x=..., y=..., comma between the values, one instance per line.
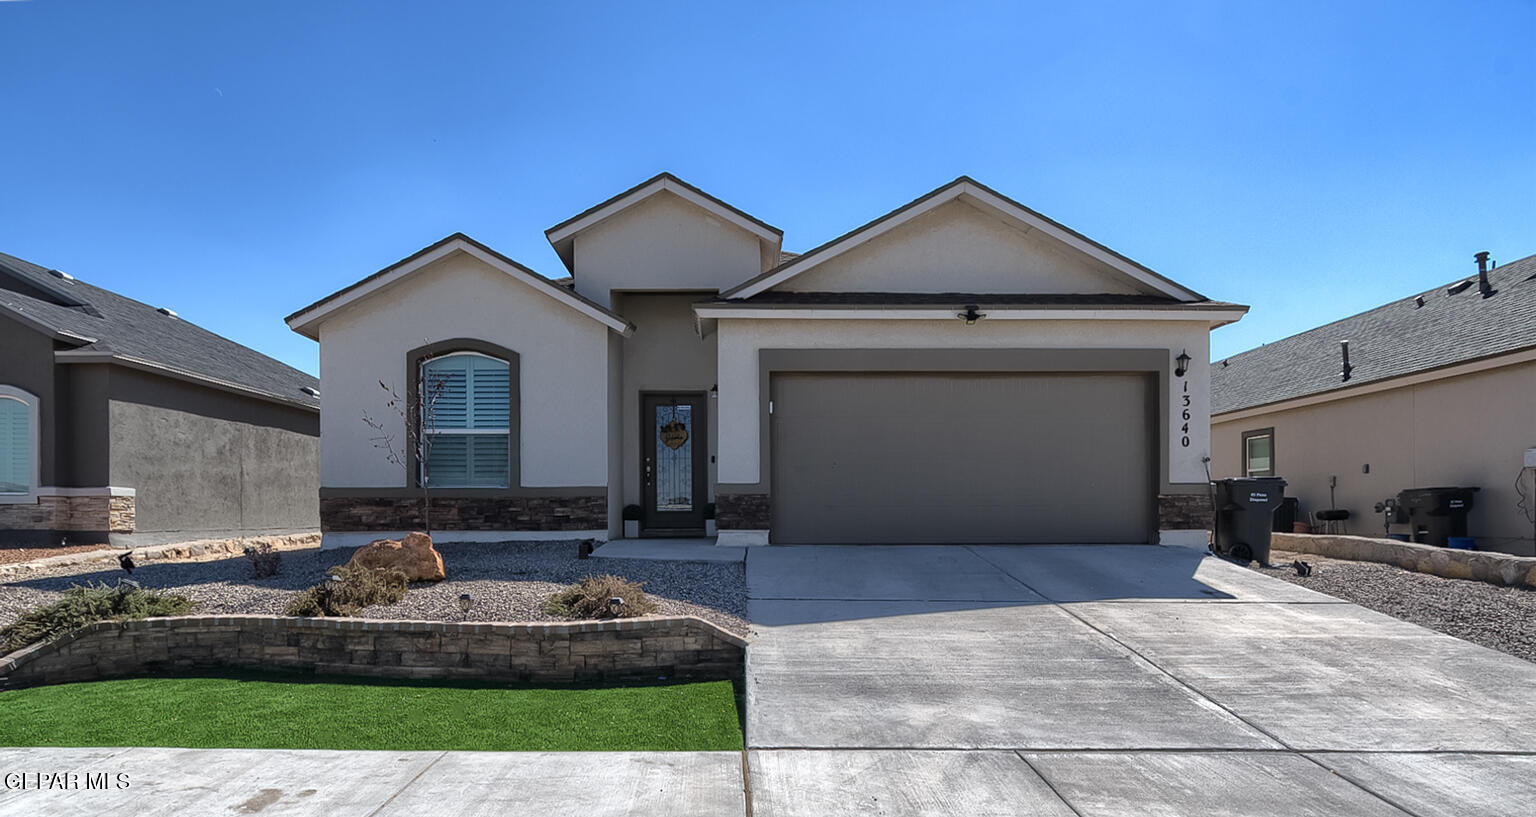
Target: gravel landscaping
x=509, y=581
x=1501, y=618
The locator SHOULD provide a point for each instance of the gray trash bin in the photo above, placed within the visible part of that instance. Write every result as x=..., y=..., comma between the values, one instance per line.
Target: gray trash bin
x=1245, y=513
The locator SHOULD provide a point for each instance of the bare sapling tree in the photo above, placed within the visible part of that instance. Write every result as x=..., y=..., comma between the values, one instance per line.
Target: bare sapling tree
x=412, y=440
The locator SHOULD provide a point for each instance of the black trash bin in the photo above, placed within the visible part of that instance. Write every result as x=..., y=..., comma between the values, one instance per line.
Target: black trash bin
x=1245, y=511
x=1287, y=515
x=1436, y=514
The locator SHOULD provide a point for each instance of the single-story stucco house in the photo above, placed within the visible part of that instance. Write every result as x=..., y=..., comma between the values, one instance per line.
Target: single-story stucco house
x=1439, y=389
x=960, y=369
x=125, y=423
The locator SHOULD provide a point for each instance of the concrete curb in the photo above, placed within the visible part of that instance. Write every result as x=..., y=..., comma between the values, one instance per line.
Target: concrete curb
x=1484, y=566
x=194, y=549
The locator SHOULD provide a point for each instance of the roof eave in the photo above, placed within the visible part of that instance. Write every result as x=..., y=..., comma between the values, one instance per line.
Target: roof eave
x=53, y=332
x=73, y=356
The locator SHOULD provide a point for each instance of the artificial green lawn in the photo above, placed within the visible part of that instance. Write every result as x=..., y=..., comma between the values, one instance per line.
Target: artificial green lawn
x=271, y=711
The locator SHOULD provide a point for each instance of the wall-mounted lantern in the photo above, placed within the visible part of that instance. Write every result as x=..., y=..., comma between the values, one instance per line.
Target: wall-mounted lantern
x=1182, y=364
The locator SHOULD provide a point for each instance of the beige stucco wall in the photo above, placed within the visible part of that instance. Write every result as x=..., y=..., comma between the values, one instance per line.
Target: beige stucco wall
x=662, y=243
x=563, y=357
x=958, y=247
x=740, y=340
x=665, y=353
x=1469, y=430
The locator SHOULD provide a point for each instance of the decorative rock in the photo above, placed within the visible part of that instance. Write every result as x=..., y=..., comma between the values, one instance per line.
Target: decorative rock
x=414, y=556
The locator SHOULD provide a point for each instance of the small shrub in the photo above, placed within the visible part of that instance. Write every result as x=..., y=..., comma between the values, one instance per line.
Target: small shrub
x=590, y=598
x=82, y=605
x=265, y=560
x=358, y=587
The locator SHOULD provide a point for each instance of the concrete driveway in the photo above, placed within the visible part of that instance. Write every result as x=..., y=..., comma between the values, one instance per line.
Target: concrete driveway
x=1112, y=681
x=976, y=681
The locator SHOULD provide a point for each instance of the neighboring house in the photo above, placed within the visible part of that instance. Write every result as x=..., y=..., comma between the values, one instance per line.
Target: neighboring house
x=961, y=369
x=119, y=420
x=1440, y=390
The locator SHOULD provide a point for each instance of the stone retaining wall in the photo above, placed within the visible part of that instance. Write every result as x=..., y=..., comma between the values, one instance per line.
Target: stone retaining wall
x=1480, y=565
x=675, y=648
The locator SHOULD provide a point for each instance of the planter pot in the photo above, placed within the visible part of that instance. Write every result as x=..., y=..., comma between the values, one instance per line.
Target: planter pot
x=709, y=527
x=631, y=529
x=1301, y=527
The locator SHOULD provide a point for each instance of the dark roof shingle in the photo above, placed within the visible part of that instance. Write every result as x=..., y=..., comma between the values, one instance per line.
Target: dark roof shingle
x=121, y=326
x=1392, y=340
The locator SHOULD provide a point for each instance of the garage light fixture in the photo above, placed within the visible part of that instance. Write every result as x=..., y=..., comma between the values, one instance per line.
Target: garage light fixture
x=1183, y=364
x=970, y=315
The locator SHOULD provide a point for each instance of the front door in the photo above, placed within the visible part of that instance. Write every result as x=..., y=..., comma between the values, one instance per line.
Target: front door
x=673, y=468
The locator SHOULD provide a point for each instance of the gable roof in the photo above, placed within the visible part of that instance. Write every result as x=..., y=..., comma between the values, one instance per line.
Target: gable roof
x=306, y=320
x=104, y=326
x=1392, y=340
x=563, y=235
x=978, y=193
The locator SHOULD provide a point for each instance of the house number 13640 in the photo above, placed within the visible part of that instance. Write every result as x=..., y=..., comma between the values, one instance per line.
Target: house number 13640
x=1184, y=441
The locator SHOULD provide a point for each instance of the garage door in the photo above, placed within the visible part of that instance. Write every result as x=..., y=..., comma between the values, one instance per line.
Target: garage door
x=961, y=458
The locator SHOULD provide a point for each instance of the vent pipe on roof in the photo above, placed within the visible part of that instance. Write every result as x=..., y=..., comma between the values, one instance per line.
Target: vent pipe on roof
x=167, y=312
x=1344, y=350
x=1482, y=274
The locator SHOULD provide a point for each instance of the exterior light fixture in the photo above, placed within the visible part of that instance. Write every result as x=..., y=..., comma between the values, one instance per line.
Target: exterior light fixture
x=615, y=605
x=1183, y=364
x=714, y=391
x=465, y=602
x=970, y=315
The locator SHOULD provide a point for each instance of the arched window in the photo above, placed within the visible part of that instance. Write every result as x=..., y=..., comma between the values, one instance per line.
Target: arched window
x=465, y=401
x=18, y=443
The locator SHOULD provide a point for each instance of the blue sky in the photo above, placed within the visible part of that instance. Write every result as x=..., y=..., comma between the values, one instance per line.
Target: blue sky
x=236, y=161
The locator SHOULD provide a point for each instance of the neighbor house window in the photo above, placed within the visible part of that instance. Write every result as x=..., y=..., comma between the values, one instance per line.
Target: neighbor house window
x=1259, y=453
x=18, y=443
x=465, y=404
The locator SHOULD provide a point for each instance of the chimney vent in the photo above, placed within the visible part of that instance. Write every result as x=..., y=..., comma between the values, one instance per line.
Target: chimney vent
x=1344, y=350
x=1482, y=274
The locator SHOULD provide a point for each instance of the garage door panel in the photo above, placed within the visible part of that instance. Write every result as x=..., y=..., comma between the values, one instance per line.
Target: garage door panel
x=961, y=458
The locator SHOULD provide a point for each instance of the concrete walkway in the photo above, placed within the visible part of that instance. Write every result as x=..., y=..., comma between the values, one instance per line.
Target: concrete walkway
x=976, y=681
x=1112, y=681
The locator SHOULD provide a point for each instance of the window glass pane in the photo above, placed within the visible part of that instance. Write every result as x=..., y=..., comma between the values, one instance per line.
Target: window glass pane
x=467, y=392
x=15, y=447
x=674, y=458
x=448, y=460
x=445, y=392
x=488, y=463
x=1260, y=454
x=489, y=386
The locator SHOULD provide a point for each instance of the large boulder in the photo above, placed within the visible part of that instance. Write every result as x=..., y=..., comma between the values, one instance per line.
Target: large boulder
x=414, y=556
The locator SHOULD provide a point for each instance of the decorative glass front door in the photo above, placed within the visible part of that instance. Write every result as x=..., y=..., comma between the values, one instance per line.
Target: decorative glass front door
x=673, y=471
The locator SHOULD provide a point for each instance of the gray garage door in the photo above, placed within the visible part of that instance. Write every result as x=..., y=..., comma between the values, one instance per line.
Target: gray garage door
x=961, y=458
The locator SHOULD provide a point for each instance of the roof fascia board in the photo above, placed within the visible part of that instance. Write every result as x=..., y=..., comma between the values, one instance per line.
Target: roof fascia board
x=38, y=326
x=93, y=356
x=982, y=194
x=1216, y=317
x=1498, y=361
x=304, y=321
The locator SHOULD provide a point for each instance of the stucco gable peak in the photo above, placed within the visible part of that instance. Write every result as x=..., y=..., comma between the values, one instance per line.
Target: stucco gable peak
x=988, y=200
x=562, y=236
x=306, y=321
